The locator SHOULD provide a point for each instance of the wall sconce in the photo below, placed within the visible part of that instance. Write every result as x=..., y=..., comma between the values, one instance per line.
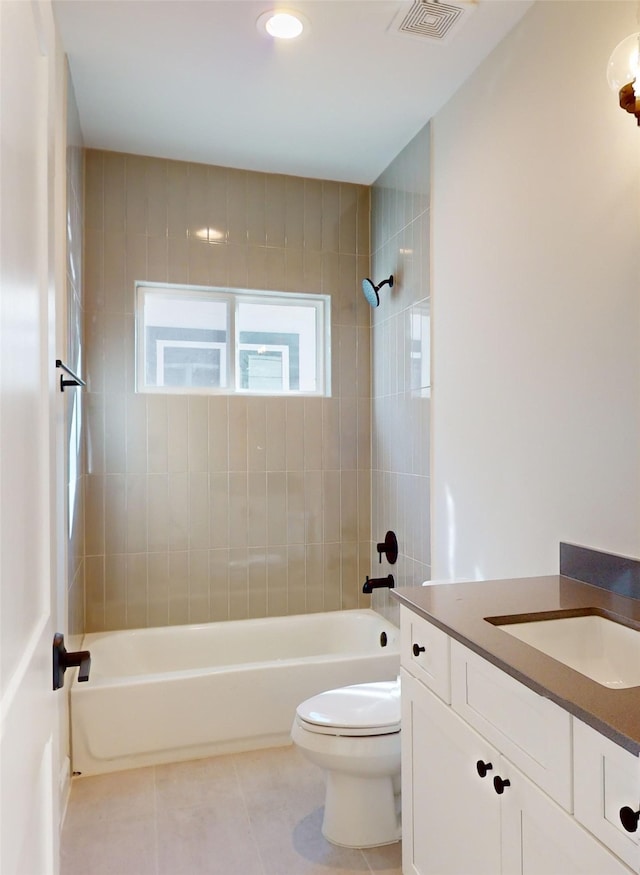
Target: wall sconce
x=623, y=73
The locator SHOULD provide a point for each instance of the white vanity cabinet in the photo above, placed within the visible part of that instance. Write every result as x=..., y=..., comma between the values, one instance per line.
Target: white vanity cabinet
x=496, y=735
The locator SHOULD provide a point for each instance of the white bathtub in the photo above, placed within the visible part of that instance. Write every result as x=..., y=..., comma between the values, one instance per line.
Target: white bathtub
x=184, y=692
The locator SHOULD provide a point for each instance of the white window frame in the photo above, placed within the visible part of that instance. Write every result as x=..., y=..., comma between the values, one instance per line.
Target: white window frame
x=229, y=366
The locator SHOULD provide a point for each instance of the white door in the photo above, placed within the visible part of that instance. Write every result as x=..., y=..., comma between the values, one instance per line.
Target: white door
x=29, y=755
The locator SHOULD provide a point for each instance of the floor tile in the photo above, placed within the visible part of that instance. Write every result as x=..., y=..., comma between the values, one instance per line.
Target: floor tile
x=319, y=855
x=196, y=782
x=207, y=840
x=256, y=813
x=119, y=847
x=385, y=860
x=112, y=797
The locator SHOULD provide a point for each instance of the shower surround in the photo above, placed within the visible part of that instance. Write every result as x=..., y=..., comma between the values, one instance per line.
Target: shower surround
x=401, y=372
x=202, y=508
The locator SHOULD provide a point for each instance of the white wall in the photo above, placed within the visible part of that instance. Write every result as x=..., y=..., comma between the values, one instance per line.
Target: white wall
x=536, y=302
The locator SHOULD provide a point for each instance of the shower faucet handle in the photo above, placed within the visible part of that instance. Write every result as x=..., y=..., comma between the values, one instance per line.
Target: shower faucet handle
x=389, y=547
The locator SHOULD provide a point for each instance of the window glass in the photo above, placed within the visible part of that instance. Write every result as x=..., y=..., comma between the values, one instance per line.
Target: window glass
x=220, y=340
x=285, y=335
x=185, y=341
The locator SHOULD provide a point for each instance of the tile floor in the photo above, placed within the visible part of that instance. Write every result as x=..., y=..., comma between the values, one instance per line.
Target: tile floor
x=256, y=813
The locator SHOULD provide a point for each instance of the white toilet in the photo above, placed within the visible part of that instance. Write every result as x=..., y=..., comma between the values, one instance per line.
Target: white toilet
x=353, y=733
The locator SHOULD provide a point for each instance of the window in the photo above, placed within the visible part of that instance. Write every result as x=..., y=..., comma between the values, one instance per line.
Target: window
x=191, y=339
x=420, y=348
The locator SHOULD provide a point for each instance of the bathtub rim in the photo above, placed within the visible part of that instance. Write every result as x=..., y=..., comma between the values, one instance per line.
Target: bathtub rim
x=156, y=677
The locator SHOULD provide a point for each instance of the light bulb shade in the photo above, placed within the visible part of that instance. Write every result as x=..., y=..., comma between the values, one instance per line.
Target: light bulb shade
x=624, y=64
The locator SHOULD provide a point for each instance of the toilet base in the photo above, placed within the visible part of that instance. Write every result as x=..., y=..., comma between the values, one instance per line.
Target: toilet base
x=350, y=818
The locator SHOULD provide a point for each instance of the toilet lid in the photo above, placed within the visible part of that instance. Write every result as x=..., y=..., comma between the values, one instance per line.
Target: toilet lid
x=362, y=709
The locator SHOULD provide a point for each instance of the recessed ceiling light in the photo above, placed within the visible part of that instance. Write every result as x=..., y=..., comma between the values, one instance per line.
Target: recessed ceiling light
x=282, y=23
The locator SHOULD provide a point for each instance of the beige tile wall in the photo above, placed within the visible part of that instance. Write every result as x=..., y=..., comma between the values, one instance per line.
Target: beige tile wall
x=401, y=370
x=212, y=508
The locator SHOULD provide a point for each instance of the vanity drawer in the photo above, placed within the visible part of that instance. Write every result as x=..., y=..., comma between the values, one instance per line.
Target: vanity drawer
x=606, y=779
x=424, y=652
x=531, y=731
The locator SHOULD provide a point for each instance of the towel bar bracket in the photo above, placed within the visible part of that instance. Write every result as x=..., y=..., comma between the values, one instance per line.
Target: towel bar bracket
x=75, y=379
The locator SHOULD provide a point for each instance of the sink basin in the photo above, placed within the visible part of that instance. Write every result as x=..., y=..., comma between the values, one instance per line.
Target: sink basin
x=606, y=651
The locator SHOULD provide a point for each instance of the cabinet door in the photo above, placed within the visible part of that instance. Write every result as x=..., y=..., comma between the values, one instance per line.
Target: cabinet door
x=606, y=780
x=539, y=837
x=451, y=816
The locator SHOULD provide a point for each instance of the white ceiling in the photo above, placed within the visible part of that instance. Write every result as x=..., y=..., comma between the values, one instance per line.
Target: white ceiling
x=194, y=80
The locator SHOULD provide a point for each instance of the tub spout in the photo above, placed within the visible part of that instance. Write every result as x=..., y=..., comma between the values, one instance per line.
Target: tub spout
x=372, y=583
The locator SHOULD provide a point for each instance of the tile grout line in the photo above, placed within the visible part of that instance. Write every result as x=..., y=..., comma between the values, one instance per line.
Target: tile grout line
x=155, y=822
x=366, y=862
x=249, y=821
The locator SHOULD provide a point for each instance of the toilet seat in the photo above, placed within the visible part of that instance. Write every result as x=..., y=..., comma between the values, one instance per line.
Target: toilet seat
x=359, y=710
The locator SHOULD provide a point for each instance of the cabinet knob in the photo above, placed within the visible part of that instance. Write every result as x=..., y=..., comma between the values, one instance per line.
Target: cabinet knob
x=483, y=768
x=629, y=818
x=417, y=650
x=500, y=783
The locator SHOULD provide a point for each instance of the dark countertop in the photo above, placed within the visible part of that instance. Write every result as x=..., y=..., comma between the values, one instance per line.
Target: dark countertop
x=459, y=609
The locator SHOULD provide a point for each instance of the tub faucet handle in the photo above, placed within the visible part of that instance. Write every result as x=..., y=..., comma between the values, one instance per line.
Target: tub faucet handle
x=389, y=547
x=64, y=659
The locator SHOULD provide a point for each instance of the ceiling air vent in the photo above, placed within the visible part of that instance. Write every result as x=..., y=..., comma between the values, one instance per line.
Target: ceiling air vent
x=431, y=20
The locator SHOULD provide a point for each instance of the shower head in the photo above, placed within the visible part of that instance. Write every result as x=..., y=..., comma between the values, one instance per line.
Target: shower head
x=371, y=291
